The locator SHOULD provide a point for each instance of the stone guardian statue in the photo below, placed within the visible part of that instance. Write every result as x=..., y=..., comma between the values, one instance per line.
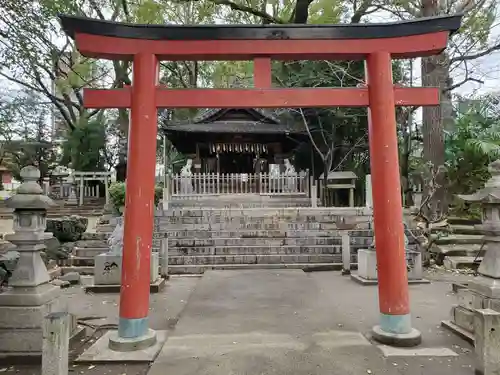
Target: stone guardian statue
x=186, y=178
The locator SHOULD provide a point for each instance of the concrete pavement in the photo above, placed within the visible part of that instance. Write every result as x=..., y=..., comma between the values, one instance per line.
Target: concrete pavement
x=290, y=322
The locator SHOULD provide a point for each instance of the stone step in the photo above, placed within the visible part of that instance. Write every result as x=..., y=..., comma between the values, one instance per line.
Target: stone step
x=199, y=269
x=256, y=250
x=201, y=234
x=249, y=226
x=460, y=262
x=254, y=259
x=457, y=250
x=229, y=219
x=276, y=241
x=355, y=212
x=459, y=239
x=462, y=221
x=102, y=236
x=89, y=251
x=464, y=229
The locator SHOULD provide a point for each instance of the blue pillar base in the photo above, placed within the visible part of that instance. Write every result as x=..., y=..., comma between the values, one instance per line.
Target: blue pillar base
x=121, y=344
x=406, y=340
x=132, y=328
x=133, y=334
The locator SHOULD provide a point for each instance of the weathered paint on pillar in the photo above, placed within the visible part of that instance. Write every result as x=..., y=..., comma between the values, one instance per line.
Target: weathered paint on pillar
x=386, y=190
x=139, y=204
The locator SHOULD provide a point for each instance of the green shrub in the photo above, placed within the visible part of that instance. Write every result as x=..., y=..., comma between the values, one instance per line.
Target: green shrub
x=117, y=194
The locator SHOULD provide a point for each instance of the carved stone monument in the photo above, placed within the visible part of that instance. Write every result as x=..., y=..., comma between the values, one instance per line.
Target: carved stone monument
x=367, y=264
x=483, y=292
x=108, y=266
x=29, y=296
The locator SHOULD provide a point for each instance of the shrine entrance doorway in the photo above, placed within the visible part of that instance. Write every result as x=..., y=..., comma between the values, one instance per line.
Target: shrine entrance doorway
x=377, y=44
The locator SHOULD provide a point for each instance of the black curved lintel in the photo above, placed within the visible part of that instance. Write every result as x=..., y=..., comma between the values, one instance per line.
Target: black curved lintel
x=73, y=25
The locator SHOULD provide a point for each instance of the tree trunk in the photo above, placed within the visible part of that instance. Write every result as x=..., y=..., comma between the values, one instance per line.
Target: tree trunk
x=435, y=73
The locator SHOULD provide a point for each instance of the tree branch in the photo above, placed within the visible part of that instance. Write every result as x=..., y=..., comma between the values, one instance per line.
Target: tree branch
x=487, y=51
x=361, y=11
x=244, y=8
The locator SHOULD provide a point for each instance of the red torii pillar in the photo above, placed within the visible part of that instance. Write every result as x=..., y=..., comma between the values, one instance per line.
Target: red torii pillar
x=376, y=43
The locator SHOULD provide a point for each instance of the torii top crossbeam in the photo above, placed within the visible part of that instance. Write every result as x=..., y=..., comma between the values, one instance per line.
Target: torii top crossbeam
x=118, y=41
x=407, y=39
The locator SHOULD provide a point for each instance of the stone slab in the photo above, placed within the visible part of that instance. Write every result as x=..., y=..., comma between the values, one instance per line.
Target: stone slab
x=462, y=333
x=155, y=287
x=108, y=269
x=390, y=351
x=360, y=280
x=100, y=352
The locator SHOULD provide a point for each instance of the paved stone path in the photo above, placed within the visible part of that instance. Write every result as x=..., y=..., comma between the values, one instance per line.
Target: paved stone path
x=286, y=322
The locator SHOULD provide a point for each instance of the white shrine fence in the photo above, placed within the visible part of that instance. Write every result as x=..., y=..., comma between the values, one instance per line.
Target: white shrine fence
x=204, y=184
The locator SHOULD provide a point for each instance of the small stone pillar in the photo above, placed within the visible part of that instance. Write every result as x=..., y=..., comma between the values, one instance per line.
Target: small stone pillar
x=56, y=332
x=29, y=297
x=344, y=228
x=368, y=191
x=82, y=190
x=484, y=290
x=487, y=341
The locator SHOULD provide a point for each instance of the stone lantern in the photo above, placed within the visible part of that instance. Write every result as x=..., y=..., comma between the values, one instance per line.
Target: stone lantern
x=488, y=281
x=484, y=290
x=29, y=296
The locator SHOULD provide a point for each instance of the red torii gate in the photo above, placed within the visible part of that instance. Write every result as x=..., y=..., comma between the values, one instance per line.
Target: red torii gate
x=378, y=44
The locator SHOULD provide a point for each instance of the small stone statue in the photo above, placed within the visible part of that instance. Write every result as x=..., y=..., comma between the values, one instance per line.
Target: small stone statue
x=289, y=168
x=186, y=170
x=291, y=182
x=186, y=185
x=115, y=240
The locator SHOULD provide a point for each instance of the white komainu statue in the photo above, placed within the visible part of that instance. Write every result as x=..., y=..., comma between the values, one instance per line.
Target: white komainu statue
x=115, y=240
x=186, y=174
x=291, y=180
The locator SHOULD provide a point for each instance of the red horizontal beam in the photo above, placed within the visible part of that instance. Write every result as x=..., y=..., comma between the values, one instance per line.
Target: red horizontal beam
x=115, y=48
x=260, y=98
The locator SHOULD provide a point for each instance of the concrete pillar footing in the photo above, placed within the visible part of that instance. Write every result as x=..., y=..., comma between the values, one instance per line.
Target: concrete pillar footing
x=413, y=338
x=121, y=344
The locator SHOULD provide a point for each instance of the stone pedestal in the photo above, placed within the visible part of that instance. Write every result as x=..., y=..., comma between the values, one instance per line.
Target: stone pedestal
x=367, y=267
x=29, y=297
x=108, y=269
x=108, y=272
x=484, y=291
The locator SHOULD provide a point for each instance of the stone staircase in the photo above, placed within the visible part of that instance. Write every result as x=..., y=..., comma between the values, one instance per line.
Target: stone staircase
x=91, y=207
x=461, y=248
x=237, y=238
x=243, y=238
